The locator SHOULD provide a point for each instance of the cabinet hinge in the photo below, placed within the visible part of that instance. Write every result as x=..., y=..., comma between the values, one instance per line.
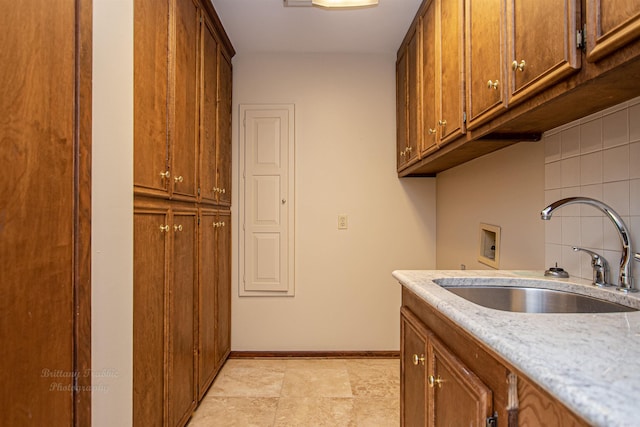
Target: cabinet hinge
x=492, y=421
x=198, y=191
x=464, y=117
x=198, y=220
x=581, y=38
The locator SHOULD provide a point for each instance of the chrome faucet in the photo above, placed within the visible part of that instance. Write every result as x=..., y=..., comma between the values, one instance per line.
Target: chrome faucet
x=599, y=265
x=625, y=278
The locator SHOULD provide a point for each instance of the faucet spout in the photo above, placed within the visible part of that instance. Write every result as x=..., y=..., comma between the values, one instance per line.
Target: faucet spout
x=625, y=278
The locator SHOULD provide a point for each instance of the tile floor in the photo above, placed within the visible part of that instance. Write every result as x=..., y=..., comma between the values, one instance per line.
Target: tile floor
x=303, y=392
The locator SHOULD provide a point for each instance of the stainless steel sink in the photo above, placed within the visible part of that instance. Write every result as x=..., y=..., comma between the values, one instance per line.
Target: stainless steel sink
x=535, y=300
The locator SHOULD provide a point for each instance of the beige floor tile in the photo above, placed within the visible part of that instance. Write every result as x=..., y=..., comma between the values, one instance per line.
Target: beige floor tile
x=244, y=378
x=377, y=412
x=374, y=378
x=235, y=412
x=315, y=412
x=316, y=382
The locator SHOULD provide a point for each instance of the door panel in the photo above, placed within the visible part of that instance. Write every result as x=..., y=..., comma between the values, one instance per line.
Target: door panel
x=207, y=311
x=402, y=116
x=41, y=241
x=181, y=317
x=150, y=249
x=267, y=200
x=485, y=61
x=543, y=35
x=414, y=132
x=184, y=138
x=150, y=109
x=223, y=287
x=414, y=375
x=459, y=397
x=223, y=174
x=429, y=81
x=208, y=115
x=610, y=25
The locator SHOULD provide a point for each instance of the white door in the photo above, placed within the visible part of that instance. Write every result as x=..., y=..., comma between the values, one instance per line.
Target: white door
x=267, y=200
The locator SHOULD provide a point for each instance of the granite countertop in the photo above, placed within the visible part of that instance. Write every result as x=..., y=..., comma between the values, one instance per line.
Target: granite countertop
x=590, y=362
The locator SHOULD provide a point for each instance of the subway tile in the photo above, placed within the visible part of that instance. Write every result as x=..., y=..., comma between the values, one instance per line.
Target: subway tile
x=553, y=230
x=552, y=148
x=570, y=142
x=591, y=136
x=634, y=160
x=634, y=122
x=591, y=168
x=634, y=198
x=552, y=255
x=616, y=195
x=615, y=129
x=571, y=231
x=552, y=176
x=615, y=163
x=570, y=172
x=591, y=232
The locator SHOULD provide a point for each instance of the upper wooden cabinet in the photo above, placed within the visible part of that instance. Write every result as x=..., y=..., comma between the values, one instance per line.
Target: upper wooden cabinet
x=497, y=72
x=450, y=69
x=151, y=110
x=223, y=140
x=408, y=92
x=485, y=31
x=542, y=46
x=183, y=141
x=610, y=24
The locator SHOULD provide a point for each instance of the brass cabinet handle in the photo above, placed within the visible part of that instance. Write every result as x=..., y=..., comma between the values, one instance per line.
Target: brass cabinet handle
x=442, y=122
x=402, y=153
x=164, y=228
x=431, y=131
x=218, y=224
x=515, y=66
x=492, y=84
x=177, y=227
x=165, y=174
x=219, y=190
x=417, y=359
x=433, y=381
x=178, y=178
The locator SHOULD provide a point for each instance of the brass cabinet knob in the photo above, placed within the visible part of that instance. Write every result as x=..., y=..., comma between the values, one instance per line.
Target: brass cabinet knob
x=402, y=153
x=442, y=122
x=165, y=174
x=515, y=66
x=178, y=178
x=431, y=131
x=218, y=224
x=433, y=381
x=417, y=359
x=177, y=227
x=492, y=84
x=164, y=228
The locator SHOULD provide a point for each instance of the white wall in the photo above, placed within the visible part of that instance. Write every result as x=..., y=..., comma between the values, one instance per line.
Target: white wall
x=504, y=188
x=345, y=297
x=599, y=157
x=112, y=213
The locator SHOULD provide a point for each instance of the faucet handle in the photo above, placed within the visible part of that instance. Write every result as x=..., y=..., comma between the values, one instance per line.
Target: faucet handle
x=637, y=257
x=600, y=267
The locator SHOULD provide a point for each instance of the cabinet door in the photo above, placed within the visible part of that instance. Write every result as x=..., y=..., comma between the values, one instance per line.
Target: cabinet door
x=181, y=318
x=185, y=97
x=611, y=24
x=150, y=108
x=542, y=45
x=485, y=63
x=402, y=118
x=413, y=92
x=223, y=164
x=429, y=81
x=413, y=371
x=451, y=96
x=459, y=397
x=151, y=239
x=223, y=287
x=206, y=300
x=208, y=114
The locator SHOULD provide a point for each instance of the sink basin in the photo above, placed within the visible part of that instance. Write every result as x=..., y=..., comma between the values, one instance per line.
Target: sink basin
x=535, y=300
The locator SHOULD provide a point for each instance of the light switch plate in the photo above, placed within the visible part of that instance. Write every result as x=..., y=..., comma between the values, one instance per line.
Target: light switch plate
x=342, y=222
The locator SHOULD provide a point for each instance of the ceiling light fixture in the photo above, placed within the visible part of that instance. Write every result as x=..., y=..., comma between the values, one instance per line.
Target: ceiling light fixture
x=344, y=3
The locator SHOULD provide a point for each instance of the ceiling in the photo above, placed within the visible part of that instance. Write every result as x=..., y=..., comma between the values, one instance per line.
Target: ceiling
x=268, y=26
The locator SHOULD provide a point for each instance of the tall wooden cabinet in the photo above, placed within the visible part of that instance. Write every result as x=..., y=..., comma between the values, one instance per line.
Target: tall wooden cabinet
x=182, y=252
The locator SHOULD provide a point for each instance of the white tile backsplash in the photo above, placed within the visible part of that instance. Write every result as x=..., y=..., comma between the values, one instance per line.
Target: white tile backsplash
x=598, y=157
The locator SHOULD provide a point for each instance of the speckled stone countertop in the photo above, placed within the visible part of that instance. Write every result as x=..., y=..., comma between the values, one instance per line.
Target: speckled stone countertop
x=590, y=362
